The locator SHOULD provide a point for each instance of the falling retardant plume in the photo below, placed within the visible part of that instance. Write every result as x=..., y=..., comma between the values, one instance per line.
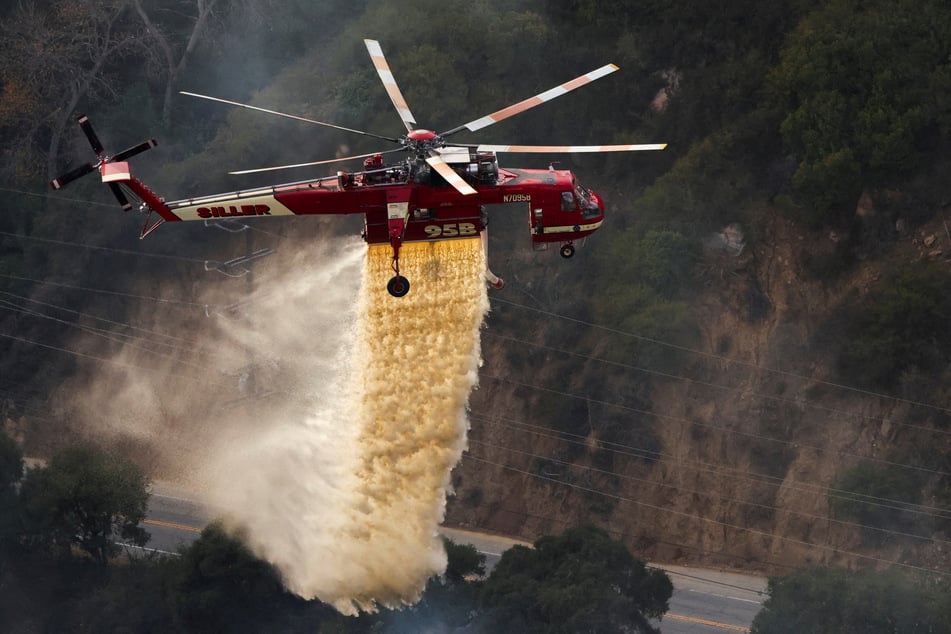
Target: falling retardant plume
x=315, y=413
x=346, y=499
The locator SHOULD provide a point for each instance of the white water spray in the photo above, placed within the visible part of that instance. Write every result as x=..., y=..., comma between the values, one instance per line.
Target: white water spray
x=336, y=462
x=347, y=502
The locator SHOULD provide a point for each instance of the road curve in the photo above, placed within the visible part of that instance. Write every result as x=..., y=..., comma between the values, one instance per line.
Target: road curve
x=703, y=602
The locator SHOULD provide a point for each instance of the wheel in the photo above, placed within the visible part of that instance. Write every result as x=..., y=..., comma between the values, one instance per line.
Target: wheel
x=398, y=286
x=567, y=250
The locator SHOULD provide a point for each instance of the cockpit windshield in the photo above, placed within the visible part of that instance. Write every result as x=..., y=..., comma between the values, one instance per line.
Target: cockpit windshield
x=589, y=208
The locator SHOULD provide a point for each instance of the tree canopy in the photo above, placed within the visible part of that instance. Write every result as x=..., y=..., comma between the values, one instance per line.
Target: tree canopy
x=85, y=497
x=862, y=88
x=822, y=600
x=11, y=470
x=579, y=581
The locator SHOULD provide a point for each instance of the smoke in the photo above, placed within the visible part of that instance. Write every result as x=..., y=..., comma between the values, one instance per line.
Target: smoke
x=335, y=462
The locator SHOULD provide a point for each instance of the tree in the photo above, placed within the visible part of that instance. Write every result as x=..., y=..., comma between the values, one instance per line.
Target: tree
x=222, y=587
x=450, y=601
x=51, y=58
x=862, y=91
x=901, y=327
x=862, y=602
x=878, y=497
x=85, y=498
x=11, y=462
x=175, y=57
x=580, y=581
x=11, y=470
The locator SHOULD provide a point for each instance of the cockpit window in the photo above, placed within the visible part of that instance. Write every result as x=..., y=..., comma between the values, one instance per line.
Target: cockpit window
x=589, y=208
x=568, y=202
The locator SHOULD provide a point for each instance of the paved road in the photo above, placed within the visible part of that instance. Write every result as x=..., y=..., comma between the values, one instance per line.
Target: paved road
x=704, y=601
x=712, y=601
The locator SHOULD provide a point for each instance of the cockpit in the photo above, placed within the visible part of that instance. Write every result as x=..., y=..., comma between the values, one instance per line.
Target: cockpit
x=580, y=198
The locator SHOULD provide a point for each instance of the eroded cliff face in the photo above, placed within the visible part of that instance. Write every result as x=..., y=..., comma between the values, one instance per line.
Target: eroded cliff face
x=726, y=459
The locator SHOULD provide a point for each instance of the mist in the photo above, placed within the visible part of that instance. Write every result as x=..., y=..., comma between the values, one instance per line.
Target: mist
x=319, y=415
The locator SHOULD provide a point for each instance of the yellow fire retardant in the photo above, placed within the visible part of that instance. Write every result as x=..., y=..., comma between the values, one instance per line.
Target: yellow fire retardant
x=415, y=361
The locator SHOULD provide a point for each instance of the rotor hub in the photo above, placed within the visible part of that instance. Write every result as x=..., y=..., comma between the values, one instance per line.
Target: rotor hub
x=422, y=142
x=421, y=135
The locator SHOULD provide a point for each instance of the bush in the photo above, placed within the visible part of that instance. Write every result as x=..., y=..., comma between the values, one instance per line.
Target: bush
x=878, y=497
x=867, y=601
x=902, y=327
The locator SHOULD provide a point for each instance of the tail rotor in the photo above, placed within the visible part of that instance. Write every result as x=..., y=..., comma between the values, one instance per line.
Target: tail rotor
x=103, y=160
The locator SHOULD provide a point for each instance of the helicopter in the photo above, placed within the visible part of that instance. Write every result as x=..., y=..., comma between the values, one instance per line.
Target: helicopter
x=439, y=191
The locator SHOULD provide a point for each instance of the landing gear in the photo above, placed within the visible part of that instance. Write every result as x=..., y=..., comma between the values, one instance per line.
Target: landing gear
x=567, y=250
x=398, y=286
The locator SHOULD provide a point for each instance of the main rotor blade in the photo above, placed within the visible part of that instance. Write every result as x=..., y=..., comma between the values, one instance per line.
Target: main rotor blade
x=120, y=196
x=289, y=116
x=337, y=160
x=389, y=83
x=443, y=169
x=135, y=149
x=531, y=102
x=564, y=149
x=90, y=134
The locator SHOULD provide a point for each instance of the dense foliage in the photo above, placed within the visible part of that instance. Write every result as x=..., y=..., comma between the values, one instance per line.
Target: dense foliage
x=579, y=581
x=882, y=498
x=863, y=602
x=216, y=584
x=84, y=498
x=902, y=328
x=861, y=87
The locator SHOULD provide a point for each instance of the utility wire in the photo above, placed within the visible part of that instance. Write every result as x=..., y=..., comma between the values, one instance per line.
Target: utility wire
x=160, y=300
x=718, y=470
x=175, y=342
x=738, y=390
x=58, y=198
x=103, y=248
x=128, y=366
x=736, y=527
x=119, y=338
x=719, y=428
x=718, y=357
x=708, y=495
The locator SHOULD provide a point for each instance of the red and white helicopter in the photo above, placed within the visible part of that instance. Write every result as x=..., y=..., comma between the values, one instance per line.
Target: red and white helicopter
x=438, y=192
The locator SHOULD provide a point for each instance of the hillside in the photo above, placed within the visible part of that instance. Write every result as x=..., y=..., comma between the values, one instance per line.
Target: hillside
x=731, y=459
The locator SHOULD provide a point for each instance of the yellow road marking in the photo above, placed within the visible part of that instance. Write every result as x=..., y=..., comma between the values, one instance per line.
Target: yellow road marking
x=181, y=527
x=677, y=617
x=690, y=619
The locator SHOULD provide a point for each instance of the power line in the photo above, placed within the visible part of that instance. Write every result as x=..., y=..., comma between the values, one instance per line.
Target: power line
x=128, y=366
x=94, y=247
x=160, y=300
x=686, y=421
x=58, y=198
x=710, y=496
x=743, y=391
x=178, y=342
x=719, y=471
x=125, y=340
x=718, y=357
x=728, y=525
x=621, y=534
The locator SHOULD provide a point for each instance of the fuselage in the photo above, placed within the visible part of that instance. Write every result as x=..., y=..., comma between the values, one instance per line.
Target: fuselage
x=559, y=209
